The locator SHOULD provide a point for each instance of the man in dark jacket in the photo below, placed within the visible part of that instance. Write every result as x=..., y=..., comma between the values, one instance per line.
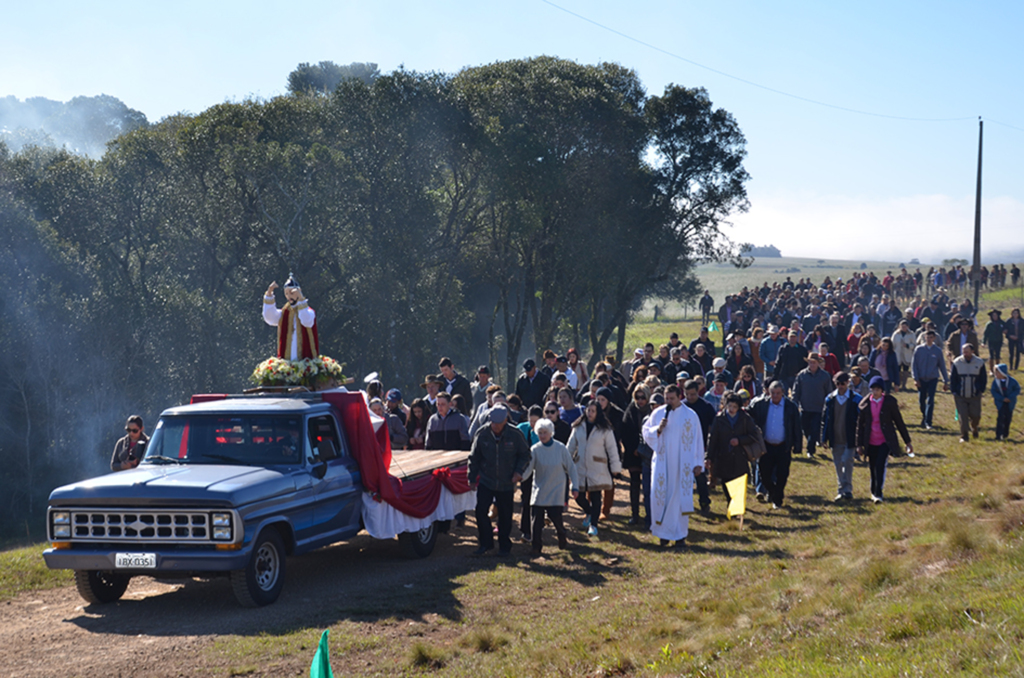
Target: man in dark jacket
x=839, y=431
x=532, y=384
x=792, y=359
x=705, y=412
x=454, y=383
x=498, y=458
x=447, y=429
x=779, y=419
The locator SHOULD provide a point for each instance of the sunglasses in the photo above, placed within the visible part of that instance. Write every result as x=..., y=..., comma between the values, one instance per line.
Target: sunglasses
x=640, y=397
x=550, y=411
x=132, y=430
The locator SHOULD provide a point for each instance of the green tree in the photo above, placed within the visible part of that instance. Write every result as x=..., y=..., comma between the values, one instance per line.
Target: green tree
x=324, y=77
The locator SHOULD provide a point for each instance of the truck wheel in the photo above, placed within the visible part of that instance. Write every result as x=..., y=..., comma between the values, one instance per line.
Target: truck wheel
x=262, y=579
x=101, y=587
x=419, y=544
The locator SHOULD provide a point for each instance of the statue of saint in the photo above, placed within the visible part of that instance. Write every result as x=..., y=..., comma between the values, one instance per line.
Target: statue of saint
x=295, y=322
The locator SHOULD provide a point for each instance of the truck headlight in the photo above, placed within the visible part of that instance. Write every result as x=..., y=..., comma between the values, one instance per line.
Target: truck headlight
x=221, y=523
x=61, y=521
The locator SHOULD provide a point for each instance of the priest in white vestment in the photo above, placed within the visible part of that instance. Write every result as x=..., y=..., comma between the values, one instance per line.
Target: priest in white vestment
x=673, y=431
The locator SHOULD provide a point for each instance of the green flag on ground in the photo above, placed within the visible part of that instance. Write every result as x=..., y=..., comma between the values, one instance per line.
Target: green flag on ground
x=713, y=327
x=321, y=666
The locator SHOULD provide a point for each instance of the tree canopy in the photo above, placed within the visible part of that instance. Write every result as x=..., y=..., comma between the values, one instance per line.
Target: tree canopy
x=324, y=77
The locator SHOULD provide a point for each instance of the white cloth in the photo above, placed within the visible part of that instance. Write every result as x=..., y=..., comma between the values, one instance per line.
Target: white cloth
x=677, y=452
x=272, y=316
x=384, y=521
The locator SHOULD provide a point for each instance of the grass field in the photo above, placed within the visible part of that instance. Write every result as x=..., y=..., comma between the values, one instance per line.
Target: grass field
x=722, y=279
x=929, y=583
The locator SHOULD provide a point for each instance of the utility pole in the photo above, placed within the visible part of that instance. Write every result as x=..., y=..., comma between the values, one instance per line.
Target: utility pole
x=976, y=273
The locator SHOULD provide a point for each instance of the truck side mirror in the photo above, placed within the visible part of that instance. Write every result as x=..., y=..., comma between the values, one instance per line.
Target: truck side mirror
x=319, y=470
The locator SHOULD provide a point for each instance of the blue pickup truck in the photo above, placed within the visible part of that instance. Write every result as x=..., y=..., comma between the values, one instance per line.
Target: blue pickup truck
x=231, y=486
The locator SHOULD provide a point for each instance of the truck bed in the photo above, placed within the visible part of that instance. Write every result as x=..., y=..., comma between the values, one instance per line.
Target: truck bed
x=407, y=464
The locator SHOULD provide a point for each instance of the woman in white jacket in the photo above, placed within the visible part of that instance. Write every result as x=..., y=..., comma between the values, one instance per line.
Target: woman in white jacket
x=593, y=447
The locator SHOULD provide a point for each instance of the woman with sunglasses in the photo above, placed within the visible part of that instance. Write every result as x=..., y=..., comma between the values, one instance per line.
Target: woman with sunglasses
x=128, y=451
x=632, y=460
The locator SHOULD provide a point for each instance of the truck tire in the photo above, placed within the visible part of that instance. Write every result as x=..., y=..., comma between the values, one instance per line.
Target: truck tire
x=419, y=544
x=260, y=582
x=98, y=587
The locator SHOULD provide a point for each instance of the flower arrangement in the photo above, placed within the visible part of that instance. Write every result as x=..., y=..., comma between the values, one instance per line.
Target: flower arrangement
x=308, y=372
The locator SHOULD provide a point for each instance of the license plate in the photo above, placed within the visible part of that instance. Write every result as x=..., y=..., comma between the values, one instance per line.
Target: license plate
x=135, y=561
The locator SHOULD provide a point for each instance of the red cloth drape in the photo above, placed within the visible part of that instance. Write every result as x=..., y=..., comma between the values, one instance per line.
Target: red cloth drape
x=372, y=452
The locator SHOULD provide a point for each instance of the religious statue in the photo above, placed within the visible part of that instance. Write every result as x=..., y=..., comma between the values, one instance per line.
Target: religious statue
x=296, y=322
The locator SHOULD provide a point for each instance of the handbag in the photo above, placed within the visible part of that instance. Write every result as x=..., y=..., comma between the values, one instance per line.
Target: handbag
x=756, y=449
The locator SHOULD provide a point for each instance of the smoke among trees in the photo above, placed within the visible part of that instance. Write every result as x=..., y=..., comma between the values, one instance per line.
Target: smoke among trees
x=522, y=204
x=83, y=125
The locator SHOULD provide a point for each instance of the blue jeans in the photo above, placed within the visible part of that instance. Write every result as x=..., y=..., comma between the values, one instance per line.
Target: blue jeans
x=926, y=397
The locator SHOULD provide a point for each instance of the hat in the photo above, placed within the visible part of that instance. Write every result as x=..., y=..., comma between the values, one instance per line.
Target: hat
x=497, y=414
x=994, y=311
x=638, y=351
x=718, y=362
x=877, y=382
x=483, y=369
x=773, y=329
x=561, y=359
x=528, y=364
x=290, y=282
x=431, y=379
x=816, y=357
x=722, y=378
x=394, y=395
x=606, y=392
x=682, y=376
x=743, y=393
x=965, y=321
x=1002, y=369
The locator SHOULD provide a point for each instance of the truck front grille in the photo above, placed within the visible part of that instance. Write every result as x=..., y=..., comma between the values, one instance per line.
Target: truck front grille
x=155, y=525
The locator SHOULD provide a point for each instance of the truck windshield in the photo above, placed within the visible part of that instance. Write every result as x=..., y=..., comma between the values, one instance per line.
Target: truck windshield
x=217, y=439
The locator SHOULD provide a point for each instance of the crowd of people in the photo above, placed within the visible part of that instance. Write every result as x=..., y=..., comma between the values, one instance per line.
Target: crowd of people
x=802, y=366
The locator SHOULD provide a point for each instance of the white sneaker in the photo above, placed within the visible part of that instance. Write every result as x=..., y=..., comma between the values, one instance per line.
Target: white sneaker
x=592, y=532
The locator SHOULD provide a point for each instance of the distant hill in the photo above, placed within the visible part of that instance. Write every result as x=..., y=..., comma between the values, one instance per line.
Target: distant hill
x=764, y=251
x=83, y=125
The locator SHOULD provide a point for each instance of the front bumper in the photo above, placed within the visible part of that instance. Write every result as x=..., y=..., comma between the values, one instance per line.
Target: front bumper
x=96, y=557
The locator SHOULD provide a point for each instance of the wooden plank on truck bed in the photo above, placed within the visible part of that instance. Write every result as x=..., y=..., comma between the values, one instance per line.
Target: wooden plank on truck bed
x=409, y=463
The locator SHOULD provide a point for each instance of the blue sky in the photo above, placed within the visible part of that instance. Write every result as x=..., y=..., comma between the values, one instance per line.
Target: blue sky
x=825, y=182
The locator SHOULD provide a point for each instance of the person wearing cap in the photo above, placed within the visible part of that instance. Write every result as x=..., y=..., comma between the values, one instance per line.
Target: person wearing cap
x=967, y=382
x=478, y=388
x=839, y=432
x=295, y=322
x=454, y=383
x=498, y=459
x=878, y=420
x=532, y=384
x=958, y=339
x=1005, y=390
x=715, y=395
x=904, y=343
x=394, y=405
x=992, y=337
x=811, y=387
x=928, y=365
x=718, y=368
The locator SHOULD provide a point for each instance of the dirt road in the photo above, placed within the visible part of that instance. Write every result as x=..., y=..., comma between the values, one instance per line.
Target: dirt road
x=163, y=629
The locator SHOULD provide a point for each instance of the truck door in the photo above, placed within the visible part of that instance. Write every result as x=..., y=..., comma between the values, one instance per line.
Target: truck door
x=336, y=511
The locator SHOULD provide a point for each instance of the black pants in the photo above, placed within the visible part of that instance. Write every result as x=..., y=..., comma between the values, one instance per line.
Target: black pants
x=811, y=423
x=555, y=514
x=1013, y=359
x=1003, y=419
x=635, y=487
x=502, y=500
x=703, y=497
x=774, y=470
x=995, y=352
x=590, y=502
x=525, y=490
x=878, y=459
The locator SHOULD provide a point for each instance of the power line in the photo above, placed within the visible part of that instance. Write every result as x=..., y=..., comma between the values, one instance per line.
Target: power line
x=750, y=82
x=1019, y=129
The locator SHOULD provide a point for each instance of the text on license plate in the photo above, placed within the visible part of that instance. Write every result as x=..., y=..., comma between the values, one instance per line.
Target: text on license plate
x=135, y=560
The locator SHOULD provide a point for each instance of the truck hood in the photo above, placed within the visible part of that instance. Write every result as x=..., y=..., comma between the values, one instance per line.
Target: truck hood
x=174, y=485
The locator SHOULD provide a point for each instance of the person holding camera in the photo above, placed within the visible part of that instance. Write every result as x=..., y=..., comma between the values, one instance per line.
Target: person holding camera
x=128, y=451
